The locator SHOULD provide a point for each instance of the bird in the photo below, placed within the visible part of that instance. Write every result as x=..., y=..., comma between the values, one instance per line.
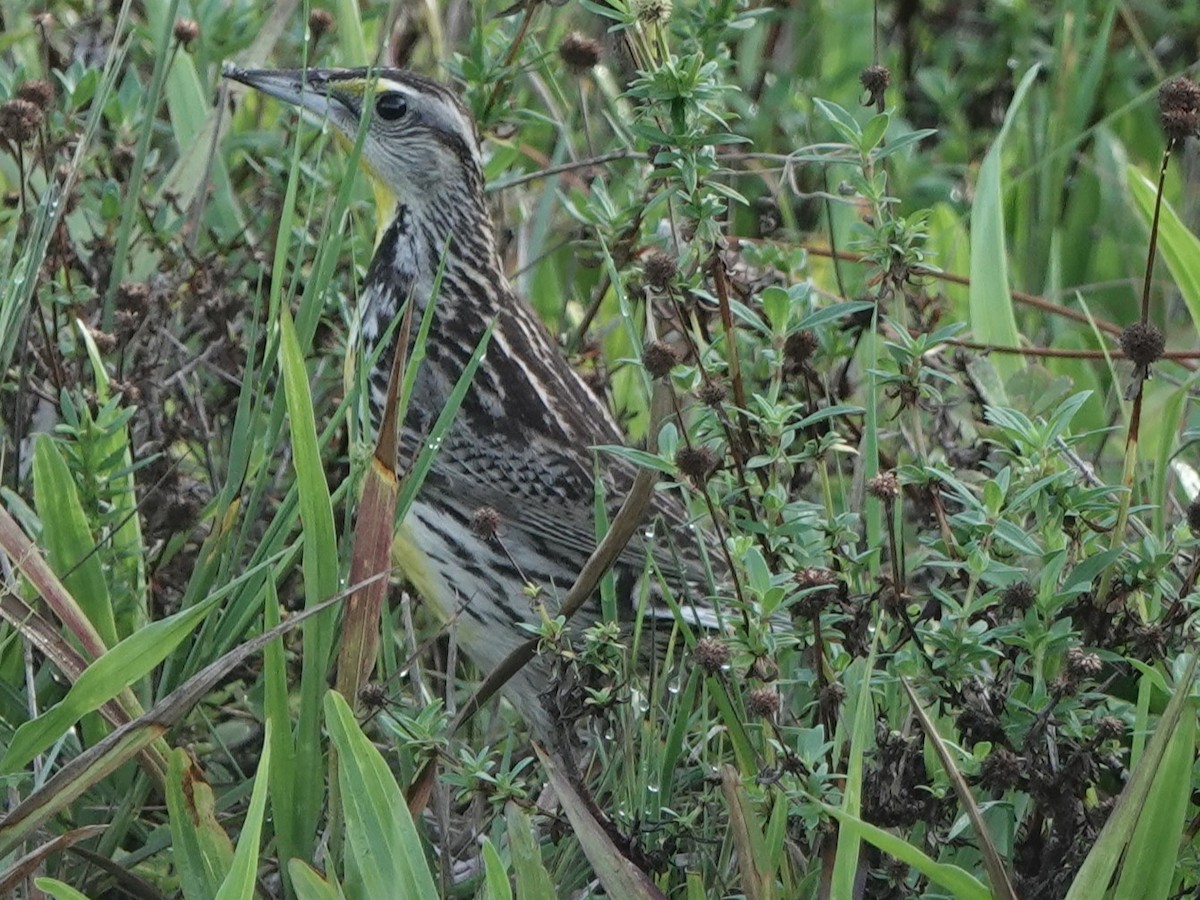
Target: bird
x=519, y=451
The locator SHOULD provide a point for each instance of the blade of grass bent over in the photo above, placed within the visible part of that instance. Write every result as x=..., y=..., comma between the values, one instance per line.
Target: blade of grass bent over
x=95, y=763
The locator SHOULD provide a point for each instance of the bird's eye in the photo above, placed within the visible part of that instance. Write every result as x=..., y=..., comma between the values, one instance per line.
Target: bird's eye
x=391, y=106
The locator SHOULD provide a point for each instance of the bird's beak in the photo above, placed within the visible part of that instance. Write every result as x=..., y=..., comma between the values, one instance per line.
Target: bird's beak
x=331, y=95
x=310, y=89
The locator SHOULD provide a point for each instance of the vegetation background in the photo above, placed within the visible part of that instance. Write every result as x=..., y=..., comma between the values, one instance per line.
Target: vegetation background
x=960, y=659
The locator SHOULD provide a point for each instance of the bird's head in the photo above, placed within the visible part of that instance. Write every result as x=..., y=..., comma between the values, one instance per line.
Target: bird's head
x=420, y=142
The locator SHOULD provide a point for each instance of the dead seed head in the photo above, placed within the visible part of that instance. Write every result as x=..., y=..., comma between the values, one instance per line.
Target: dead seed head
x=1001, y=770
x=799, y=348
x=884, y=486
x=875, y=79
x=814, y=576
x=1018, y=597
x=769, y=218
x=712, y=393
x=659, y=358
x=373, y=695
x=19, y=121
x=697, y=463
x=712, y=654
x=320, y=23
x=579, y=52
x=134, y=296
x=660, y=268
x=814, y=602
x=764, y=703
x=105, y=342
x=1179, y=108
x=1143, y=343
x=831, y=696
x=485, y=522
x=1109, y=728
x=186, y=31
x=38, y=92
x=764, y=668
x=1081, y=664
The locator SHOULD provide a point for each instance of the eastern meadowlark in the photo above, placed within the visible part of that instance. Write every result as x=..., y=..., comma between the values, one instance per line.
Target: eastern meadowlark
x=521, y=442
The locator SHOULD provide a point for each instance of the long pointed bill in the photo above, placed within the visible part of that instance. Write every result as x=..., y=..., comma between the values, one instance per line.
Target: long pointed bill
x=336, y=96
x=310, y=90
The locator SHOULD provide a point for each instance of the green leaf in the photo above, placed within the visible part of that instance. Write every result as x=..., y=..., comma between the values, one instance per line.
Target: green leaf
x=309, y=884
x=239, y=883
x=847, y=126
x=961, y=883
x=1093, y=877
x=383, y=840
x=638, y=457
x=1086, y=572
x=58, y=890
x=992, y=318
x=69, y=543
x=103, y=680
x=495, y=884
x=826, y=314
x=1150, y=860
x=533, y=881
x=202, y=852
x=873, y=132
x=1180, y=248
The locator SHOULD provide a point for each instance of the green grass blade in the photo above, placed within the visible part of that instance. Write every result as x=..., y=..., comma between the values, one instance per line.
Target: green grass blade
x=239, y=883
x=845, y=866
x=68, y=539
x=351, y=37
x=1097, y=870
x=495, y=883
x=1149, y=866
x=533, y=881
x=309, y=885
x=415, y=477
x=961, y=884
x=320, y=566
x=284, y=776
x=103, y=680
x=616, y=873
x=1180, y=248
x=59, y=891
x=992, y=317
x=383, y=840
x=746, y=829
x=202, y=851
